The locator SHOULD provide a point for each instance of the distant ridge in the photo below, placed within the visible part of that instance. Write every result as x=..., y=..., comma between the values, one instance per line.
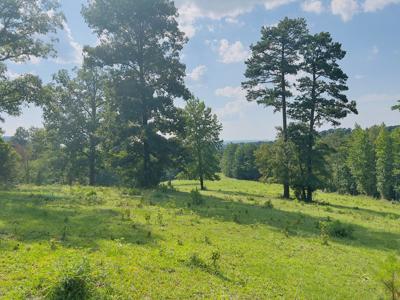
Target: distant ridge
x=7, y=138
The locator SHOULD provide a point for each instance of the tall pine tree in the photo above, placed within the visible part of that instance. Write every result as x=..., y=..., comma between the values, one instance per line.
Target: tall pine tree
x=322, y=99
x=273, y=59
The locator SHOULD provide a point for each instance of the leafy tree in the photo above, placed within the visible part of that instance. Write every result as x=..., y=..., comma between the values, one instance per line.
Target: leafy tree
x=21, y=144
x=384, y=163
x=322, y=97
x=140, y=42
x=24, y=34
x=244, y=164
x=75, y=116
x=227, y=160
x=8, y=164
x=202, y=131
x=396, y=162
x=273, y=59
x=361, y=161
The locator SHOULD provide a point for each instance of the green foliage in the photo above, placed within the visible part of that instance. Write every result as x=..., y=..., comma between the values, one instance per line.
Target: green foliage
x=389, y=275
x=273, y=59
x=74, y=283
x=227, y=159
x=201, y=139
x=384, y=164
x=361, y=160
x=239, y=161
x=22, y=37
x=147, y=77
x=336, y=230
x=8, y=165
x=321, y=99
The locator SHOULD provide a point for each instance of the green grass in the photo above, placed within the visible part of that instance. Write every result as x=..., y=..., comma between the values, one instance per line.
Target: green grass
x=243, y=242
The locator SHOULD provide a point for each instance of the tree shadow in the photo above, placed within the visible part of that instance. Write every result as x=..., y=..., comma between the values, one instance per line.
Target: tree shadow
x=361, y=209
x=24, y=218
x=292, y=223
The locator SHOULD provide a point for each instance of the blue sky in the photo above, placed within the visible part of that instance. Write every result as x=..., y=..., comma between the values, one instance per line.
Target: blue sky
x=220, y=34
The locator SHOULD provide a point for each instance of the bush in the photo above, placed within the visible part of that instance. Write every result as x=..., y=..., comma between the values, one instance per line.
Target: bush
x=389, y=275
x=75, y=283
x=337, y=229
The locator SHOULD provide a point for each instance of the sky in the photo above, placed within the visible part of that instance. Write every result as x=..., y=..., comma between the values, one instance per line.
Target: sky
x=220, y=34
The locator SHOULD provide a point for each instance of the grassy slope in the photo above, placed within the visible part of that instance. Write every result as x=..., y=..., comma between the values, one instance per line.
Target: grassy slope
x=265, y=252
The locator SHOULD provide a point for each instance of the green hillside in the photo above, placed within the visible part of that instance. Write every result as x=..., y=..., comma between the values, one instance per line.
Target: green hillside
x=236, y=241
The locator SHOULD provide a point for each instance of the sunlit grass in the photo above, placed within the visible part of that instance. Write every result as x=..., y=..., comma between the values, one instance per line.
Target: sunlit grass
x=242, y=242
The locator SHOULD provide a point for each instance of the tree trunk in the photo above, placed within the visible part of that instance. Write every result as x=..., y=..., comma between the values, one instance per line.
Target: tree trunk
x=286, y=187
x=92, y=162
x=201, y=182
x=146, y=154
x=310, y=144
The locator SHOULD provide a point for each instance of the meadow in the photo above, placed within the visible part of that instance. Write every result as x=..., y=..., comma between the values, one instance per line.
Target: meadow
x=236, y=240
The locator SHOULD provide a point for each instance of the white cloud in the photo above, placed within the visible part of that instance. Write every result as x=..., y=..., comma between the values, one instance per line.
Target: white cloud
x=346, y=9
x=190, y=11
x=273, y=4
x=374, y=5
x=232, y=53
x=76, y=56
x=197, y=73
x=237, y=104
x=193, y=10
x=312, y=6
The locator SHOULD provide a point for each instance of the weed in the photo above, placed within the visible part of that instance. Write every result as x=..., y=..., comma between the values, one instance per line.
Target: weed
x=75, y=283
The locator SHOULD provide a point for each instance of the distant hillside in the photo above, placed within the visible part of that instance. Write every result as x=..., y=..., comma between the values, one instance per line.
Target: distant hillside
x=7, y=138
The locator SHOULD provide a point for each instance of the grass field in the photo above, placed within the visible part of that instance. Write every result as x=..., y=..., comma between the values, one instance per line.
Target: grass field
x=242, y=242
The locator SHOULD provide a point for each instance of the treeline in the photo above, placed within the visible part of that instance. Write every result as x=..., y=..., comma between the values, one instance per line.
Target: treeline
x=359, y=161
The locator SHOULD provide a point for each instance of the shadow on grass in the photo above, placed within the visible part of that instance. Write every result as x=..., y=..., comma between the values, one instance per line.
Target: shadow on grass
x=382, y=214
x=296, y=223
x=27, y=218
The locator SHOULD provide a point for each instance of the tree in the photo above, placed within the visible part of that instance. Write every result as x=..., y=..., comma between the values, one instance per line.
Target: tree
x=202, y=131
x=273, y=59
x=8, y=164
x=21, y=143
x=384, y=164
x=244, y=164
x=25, y=26
x=227, y=159
x=322, y=97
x=75, y=115
x=396, y=162
x=140, y=43
x=361, y=161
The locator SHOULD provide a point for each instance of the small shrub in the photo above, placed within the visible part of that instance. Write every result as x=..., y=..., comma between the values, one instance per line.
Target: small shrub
x=268, y=204
x=389, y=275
x=215, y=257
x=196, y=261
x=337, y=229
x=196, y=197
x=74, y=283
